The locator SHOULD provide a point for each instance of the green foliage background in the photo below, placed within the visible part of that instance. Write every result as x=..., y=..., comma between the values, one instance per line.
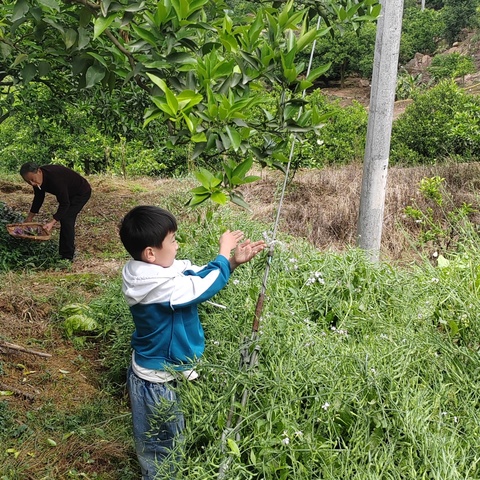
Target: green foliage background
x=441, y=124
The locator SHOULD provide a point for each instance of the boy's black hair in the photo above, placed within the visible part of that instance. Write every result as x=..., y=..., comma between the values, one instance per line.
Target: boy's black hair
x=31, y=167
x=145, y=226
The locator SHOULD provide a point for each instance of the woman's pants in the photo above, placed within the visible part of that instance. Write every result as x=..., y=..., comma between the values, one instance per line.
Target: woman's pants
x=66, y=246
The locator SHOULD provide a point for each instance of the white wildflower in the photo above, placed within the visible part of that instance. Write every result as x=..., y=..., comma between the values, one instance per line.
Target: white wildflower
x=325, y=406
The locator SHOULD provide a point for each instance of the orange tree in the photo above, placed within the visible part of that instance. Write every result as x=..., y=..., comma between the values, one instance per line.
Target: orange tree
x=206, y=70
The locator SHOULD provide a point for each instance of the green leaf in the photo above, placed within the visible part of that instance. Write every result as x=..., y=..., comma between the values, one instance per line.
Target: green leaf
x=188, y=98
x=159, y=82
x=74, y=309
x=79, y=323
x=198, y=199
x=146, y=35
x=20, y=8
x=171, y=100
x=101, y=24
x=19, y=59
x=94, y=74
x=249, y=179
x=235, y=137
x=28, y=72
x=43, y=68
x=316, y=72
x=199, y=139
x=200, y=191
x=98, y=58
x=243, y=168
x=442, y=262
x=219, y=197
x=453, y=325
x=232, y=445
x=150, y=116
x=199, y=147
x=50, y=4
x=83, y=38
x=185, y=58
x=13, y=452
x=307, y=39
x=188, y=121
x=238, y=200
x=70, y=38
x=104, y=6
x=206, y=178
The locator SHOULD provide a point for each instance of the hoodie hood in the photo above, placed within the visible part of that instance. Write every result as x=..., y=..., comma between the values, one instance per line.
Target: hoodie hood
x=148, y=283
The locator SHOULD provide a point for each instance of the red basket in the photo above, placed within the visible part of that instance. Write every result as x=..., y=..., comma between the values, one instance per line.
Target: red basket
x=28, y=231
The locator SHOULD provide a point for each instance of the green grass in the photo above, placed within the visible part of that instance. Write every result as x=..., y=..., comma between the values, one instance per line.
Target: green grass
x=364, y=371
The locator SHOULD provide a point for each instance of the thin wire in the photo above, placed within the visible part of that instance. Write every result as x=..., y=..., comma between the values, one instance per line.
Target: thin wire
x=248, y=358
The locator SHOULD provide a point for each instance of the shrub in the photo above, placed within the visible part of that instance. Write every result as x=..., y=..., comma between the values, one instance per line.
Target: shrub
x=457, y=15
x=421, y=29
x=349, y=51
x=342, y=138
x=16, y=146
x=408, y=85
x=450, y=65
x=441, y=123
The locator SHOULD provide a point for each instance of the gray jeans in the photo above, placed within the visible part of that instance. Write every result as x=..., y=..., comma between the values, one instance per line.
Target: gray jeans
x=158, y=424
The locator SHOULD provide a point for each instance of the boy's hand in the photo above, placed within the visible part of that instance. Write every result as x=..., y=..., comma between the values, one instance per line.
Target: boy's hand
x=245, y=252
x=228, y=241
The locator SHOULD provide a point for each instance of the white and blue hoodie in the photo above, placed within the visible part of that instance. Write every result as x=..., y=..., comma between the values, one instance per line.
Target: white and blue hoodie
x=163, y=302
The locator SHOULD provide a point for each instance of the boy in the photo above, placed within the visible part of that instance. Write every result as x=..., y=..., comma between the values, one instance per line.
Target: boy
x=163, y=294
x=72, y=192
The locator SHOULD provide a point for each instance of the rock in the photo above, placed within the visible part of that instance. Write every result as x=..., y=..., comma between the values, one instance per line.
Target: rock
x=418, y=64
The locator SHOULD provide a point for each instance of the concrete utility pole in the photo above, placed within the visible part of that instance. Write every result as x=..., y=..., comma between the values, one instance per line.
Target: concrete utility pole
x=379, y=129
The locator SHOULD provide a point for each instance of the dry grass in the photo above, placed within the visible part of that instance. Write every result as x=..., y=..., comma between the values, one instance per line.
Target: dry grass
x=322, y=206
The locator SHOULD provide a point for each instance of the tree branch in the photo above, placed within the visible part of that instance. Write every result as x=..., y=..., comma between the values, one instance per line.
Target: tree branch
x=16, y=391
x=12, y=346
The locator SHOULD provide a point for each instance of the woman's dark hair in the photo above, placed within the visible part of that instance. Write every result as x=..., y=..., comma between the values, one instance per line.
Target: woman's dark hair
x=31, y=167
x=145, y=226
